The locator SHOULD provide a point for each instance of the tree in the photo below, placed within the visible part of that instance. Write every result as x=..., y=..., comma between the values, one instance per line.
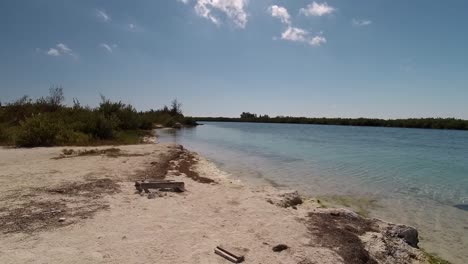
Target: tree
x=176, y=108
x=56, y=97
x=247, y=115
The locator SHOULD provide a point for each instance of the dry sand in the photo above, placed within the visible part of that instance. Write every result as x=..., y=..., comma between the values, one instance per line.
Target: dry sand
x=106, y=221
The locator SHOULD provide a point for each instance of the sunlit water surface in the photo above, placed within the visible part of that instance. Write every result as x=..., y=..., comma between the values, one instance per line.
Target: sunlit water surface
x=417, y=176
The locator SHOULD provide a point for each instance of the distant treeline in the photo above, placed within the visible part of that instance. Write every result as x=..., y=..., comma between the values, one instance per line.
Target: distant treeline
x=46, y=121
x=427, y=123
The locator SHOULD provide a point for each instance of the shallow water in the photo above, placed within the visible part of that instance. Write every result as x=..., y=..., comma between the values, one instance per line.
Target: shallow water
x=419, y=177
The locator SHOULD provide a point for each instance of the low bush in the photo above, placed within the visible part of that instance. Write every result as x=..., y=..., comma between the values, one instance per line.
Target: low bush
x=37, y=131
x=47, y=122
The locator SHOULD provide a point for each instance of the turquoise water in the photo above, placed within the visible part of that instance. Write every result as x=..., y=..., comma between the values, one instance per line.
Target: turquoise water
x=417, y=176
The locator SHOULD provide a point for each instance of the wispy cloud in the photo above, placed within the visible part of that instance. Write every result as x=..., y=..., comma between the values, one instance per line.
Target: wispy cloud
x=300, y=35
x=317, y=9
x=361, y=22
x=281, y=13
x=133, y=27
x=233, y=9
x=103, y=15
x=109, y=48
x=61, y=49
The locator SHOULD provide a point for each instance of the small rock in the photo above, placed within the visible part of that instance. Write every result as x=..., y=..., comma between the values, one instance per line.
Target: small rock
x=280, y=247
x=151, y=195
x=286, y=199
x=62, y=219
x=407, y=233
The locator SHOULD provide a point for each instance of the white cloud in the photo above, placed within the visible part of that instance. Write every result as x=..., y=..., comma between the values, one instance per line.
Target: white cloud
x=300, y=35
x=233, y=9
x=131, y=26
x=106, y=47
x=281, y=13
x=61, y=49
x=361, y=22
x=53, y=52
x=317, y=41
x=316, y=9
x=184, y=1
x=295, y=34
x=103, y=15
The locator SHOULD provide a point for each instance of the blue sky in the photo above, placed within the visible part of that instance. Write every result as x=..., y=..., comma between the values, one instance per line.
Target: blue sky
x=370, y=58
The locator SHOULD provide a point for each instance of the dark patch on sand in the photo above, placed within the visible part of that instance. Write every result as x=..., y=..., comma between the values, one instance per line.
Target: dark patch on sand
x=463, y=207
x=109, y=152
x=34, y=216
x=43, y=208
x=185, y=164
x=92, y=188
x=158, y=170
x=340, y=232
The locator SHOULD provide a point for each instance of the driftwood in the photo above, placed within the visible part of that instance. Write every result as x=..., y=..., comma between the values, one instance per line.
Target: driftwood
x=228, y=255
x=162, y=184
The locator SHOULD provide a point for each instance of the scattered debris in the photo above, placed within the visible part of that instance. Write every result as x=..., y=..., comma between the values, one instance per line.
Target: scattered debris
x=62, y=219
x=228, y=255
x=91, y=188
x=36, y=215
x=109, y=152
x=184, y=164
x=280, y=247
x=340, y=231
x=159, y=185
x=158, y=170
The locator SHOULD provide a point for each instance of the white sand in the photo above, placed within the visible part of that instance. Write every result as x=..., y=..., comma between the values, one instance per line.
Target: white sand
x=177, y=228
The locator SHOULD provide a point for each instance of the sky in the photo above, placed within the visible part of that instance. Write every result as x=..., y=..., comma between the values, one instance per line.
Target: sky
x=334, y=58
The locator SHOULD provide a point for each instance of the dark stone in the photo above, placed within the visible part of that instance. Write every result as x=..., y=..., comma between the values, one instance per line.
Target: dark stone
x=461, y=206
x=280, y=247
x=407, y=233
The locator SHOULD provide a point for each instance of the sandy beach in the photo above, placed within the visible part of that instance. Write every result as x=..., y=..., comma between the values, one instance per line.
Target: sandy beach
x=80, y=205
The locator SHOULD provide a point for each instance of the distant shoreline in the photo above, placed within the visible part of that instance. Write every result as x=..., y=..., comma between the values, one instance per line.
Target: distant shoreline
x=421, y=123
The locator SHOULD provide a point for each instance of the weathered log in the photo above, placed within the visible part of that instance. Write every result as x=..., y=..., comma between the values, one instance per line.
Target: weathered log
x=228, y=255
x=145, y=186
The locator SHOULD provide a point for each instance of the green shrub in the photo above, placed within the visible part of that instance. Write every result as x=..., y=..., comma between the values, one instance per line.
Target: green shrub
x=37, y=131
x=46, y=121
x=3, y=134
x=70, y=137
x=102, y=127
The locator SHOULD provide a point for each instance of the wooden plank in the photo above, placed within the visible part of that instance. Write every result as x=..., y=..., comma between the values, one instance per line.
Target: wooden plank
x=177, y=186
x=228, y=255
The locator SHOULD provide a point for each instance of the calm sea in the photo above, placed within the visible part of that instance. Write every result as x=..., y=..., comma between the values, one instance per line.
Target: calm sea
x=417, y=176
